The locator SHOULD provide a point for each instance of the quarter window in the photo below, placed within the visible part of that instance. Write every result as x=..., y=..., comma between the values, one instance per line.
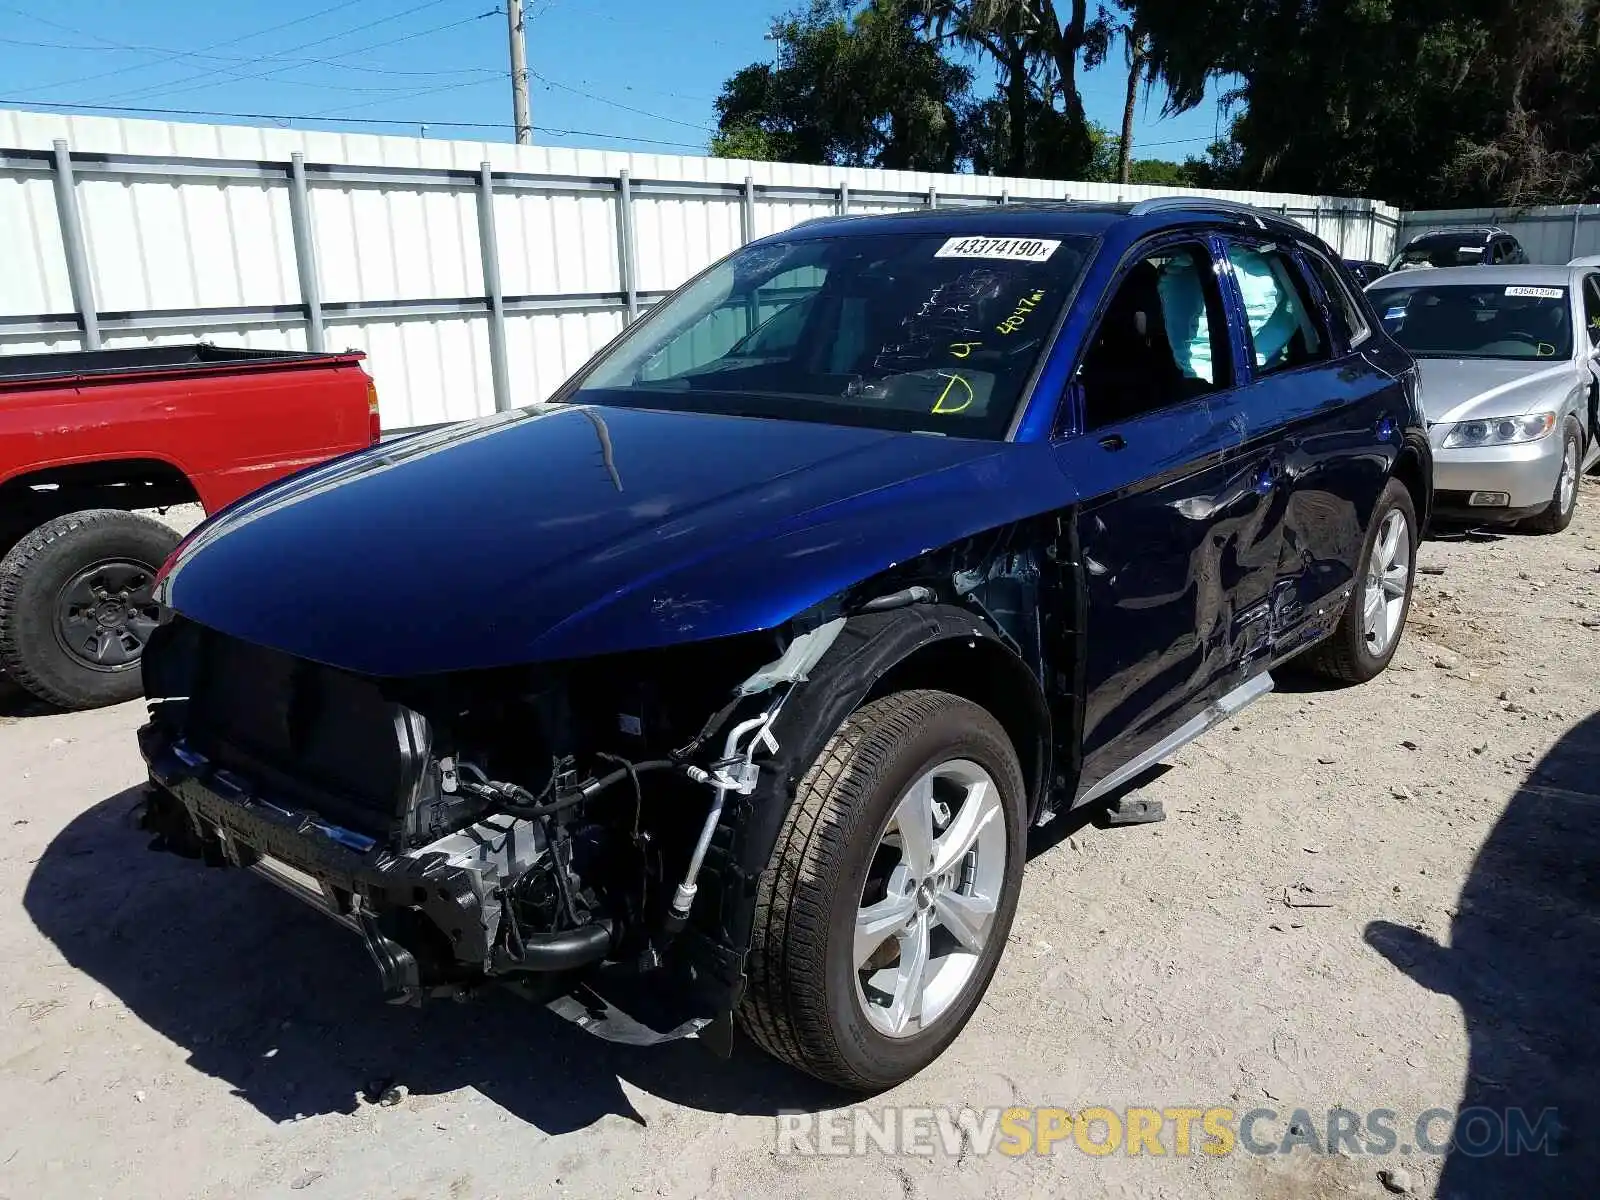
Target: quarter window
x=1343, y=307
x=1284, y=332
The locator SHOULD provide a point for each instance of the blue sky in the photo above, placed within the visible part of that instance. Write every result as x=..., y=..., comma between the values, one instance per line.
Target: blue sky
x=624, y=74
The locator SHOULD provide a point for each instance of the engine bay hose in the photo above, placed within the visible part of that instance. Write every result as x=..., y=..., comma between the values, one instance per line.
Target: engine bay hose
x=500, y=792
x=564, y=950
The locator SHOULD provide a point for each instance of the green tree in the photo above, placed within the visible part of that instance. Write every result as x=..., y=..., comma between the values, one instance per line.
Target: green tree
x=851, y=86
x=1037, y=46
x=1159, y=171
x=1425, y=102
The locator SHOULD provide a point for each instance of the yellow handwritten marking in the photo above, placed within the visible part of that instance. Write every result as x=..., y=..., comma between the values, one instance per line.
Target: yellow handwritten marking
x=1546, y=350
x=1024, y=306
x=938, y=405
x=964, y=349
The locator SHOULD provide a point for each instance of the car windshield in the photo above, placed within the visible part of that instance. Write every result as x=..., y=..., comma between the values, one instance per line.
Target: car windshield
x=1497, y=320
x=906, y=331
x=1447, y=251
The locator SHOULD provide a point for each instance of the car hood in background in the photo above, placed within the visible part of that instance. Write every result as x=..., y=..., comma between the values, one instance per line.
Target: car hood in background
x=567, y=531
x=1463, y=389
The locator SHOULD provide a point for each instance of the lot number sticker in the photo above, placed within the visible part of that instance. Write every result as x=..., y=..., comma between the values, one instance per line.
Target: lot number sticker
x=1010, y=249
x=1536, y=293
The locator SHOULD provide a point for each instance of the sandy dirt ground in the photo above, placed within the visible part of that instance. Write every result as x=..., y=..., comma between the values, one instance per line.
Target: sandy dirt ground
x=1382, y=897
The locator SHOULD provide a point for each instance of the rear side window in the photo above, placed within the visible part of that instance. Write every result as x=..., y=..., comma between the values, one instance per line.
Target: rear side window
x=1284, y=331
x=1591, y=307
x=1345, y=310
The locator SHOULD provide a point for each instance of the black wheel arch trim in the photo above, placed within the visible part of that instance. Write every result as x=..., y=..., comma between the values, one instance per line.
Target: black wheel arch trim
x=871, y=650
x=1416, y=446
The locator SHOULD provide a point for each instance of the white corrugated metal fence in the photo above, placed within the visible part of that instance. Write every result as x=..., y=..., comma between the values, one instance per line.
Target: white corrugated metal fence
x=472, y=273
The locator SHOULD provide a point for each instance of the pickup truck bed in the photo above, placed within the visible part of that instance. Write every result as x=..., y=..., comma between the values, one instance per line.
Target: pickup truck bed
x=88, y=437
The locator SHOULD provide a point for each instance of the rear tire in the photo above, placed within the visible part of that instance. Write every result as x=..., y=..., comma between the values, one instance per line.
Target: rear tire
x=816, y=999
x=1564, y=503
x=48, y=640
x=1352, y=654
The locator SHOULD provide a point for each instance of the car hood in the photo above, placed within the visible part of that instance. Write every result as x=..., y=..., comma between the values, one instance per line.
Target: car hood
x=566, y=531
x=1463, y=389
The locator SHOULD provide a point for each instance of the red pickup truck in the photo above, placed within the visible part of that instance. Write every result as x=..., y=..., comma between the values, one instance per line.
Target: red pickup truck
x=88, y=438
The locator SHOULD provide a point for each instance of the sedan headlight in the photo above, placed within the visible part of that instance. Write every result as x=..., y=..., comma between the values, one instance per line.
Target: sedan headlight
x=1500, y=431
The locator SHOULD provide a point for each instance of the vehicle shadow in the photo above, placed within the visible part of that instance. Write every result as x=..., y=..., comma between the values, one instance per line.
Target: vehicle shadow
x=284, y=1004
x=16, y=701
x=1524, y=964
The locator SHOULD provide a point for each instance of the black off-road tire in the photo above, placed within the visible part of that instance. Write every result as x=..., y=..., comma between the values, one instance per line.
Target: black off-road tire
x=1345, y=657
x=31, y=578
x=1555, y=518
x=801, y=1002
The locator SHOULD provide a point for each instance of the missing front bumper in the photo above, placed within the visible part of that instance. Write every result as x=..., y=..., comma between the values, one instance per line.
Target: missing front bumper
x=430, y=918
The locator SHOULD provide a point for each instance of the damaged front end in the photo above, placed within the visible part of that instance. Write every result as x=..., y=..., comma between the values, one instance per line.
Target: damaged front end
x=546, y=826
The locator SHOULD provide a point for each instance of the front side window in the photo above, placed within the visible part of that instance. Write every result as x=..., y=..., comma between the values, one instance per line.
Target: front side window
x=1497, y=320
x=1162, y=339
x=1284, y=332
x=910, y=331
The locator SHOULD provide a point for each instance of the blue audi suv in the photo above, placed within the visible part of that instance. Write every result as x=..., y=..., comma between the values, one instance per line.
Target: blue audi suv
x=723, y=689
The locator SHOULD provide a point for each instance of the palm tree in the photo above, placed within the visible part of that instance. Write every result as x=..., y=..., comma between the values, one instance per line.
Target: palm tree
x=1035, y=47
x=1138, y=46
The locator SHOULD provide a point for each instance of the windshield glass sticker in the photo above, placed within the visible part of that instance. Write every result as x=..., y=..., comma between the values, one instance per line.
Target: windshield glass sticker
x=1535, y=293
x=1011, y=249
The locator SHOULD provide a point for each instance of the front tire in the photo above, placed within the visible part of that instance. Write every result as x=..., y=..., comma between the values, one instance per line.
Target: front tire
x=887, y=901
x=1564, y=503
x=1369, y=632
x=76, y=606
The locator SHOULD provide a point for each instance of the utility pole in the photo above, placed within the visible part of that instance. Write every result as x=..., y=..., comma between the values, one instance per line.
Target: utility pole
x=519, y=74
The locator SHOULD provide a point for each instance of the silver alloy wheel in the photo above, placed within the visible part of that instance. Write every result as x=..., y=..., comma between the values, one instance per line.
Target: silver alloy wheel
x=1388, y=580
x=1567, y=485
x=929, y=903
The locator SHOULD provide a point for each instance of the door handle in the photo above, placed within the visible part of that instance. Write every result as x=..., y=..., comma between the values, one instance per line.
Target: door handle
x=1112, y=441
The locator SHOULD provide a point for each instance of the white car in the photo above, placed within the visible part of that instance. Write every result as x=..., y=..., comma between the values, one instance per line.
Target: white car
x=1510, y=365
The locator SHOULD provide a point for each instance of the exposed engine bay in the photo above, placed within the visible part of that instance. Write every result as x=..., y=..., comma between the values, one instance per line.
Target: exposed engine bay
x=566, y=826
x=515, y=825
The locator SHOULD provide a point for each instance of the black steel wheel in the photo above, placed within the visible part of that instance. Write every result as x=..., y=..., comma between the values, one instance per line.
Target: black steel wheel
x=76, y=607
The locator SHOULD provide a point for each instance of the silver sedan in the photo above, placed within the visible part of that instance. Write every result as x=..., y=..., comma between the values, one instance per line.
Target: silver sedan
x=1510, y=367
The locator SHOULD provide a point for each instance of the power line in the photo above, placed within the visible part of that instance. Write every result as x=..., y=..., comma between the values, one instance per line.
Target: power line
x=444, y=87
x=170, y=54
x=173, y=88
x=567, y=87
x=479, y=72
x=231, y=76
x=1188, y=141
x=230, y=58
x=285, y=118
